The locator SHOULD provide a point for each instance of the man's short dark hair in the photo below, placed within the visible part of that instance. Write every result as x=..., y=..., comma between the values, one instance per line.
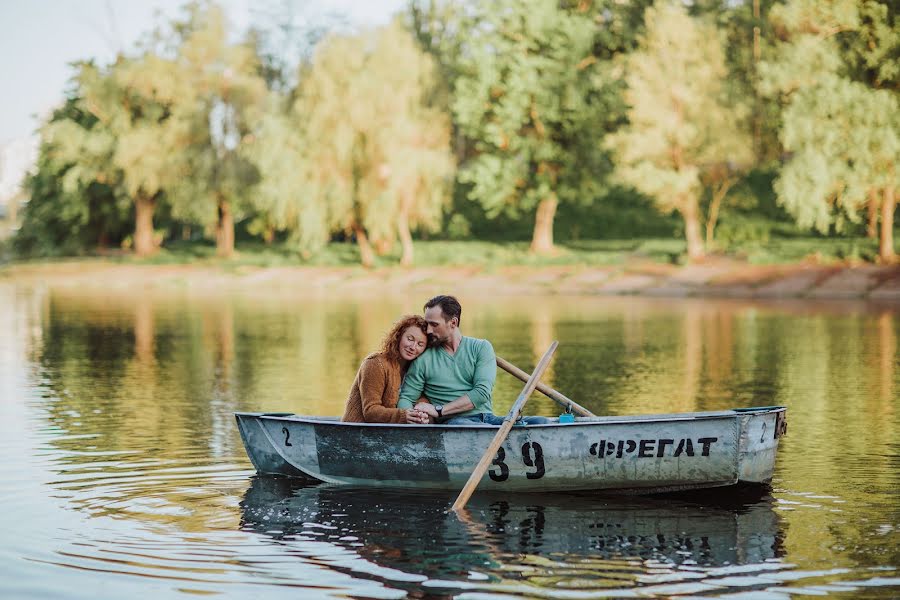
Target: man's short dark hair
x=449, y=307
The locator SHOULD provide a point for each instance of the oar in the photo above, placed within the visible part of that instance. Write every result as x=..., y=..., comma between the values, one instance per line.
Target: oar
x=545, y=389
x=508, y=423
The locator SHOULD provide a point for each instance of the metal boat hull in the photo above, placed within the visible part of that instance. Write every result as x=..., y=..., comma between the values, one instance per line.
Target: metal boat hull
x=644, y=454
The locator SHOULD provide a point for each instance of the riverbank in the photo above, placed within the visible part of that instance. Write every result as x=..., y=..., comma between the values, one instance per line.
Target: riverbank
x=711, y=278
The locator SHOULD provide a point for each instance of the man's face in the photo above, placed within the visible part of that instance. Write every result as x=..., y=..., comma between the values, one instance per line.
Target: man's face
x=439, y=329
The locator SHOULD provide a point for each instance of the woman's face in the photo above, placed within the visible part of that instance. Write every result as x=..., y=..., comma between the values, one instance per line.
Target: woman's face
x=412, y=343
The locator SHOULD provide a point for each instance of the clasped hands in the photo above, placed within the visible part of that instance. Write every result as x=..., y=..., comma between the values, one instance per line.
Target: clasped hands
x=422, y=413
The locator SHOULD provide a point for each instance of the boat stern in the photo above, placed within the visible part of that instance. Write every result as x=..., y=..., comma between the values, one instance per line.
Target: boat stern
x=761, y=430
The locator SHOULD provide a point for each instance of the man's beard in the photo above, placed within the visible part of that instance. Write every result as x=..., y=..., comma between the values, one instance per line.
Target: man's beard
x=434, y=341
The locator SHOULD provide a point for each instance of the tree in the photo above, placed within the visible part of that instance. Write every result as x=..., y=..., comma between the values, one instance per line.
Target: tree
x=413, y=135
x=378, y=151
x=285, y=197
x=747, y=39
x=71, y=206
x=128, y=145
x=531, y=99
x=683, y=130
x=843, y=135
x=217, y=114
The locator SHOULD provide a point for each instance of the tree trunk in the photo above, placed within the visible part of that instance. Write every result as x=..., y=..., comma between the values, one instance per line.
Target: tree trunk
x=886, y=247
x=406, y=259
x=691, y=216
x=718, y=196
x=542, y=238
x=366, y=255
x=225, y=230
x=143, y=225
x=144, y=330
x=872, y=210
x=269, y=235
x=383, y=246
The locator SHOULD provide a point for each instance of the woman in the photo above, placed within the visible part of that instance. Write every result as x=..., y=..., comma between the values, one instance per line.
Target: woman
x=376, y=389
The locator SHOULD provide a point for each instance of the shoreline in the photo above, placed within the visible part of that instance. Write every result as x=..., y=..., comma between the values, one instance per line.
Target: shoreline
x=716, y=278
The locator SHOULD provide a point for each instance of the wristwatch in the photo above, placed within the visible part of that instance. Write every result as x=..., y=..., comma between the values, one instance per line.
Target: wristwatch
x=440, y=411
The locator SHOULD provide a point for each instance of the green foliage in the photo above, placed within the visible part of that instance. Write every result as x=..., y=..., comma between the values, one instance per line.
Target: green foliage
x=843, y=136
x=820, y=250
x=299, y=138
x=753, y=215
x=459, y=228
x=872, y=50
x=621, y=213
x=532, y=98
x=682, y=126
x=282, y=201
x=748, y=35
x=379, y=166
x=70, y=211
x=221, y=106
x=428, y=253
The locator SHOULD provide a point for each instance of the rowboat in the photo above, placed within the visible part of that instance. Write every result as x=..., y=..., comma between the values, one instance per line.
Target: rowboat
x=637, y=454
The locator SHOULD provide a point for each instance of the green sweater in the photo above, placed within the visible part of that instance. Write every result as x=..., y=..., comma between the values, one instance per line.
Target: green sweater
x=443, y=378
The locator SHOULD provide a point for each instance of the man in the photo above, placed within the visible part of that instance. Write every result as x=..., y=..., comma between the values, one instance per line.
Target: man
x=456, y=374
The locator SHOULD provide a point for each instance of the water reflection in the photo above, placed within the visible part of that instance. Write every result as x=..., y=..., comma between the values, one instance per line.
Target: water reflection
x=617, y=356
x=119, y=404
x=543, y=541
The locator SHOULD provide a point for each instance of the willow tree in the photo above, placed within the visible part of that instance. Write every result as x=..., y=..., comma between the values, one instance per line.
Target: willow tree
x=527, y=98
x=221, y=105
x=76, y=197
x=287, y=198
x=413, y=137
x=129, y=144
x=843, y=134
x=378, y=153
x=682, y=128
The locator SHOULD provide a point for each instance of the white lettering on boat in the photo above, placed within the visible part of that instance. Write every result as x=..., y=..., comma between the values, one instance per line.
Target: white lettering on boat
x=653, y=448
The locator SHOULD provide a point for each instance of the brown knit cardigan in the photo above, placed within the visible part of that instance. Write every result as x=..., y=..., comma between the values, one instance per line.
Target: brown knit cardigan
x=374, y=393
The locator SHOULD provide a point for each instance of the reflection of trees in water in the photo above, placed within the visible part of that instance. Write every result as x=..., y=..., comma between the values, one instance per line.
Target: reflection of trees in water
x=140, y=390
x=886, y=363
x=143, y=387
x=532, y=538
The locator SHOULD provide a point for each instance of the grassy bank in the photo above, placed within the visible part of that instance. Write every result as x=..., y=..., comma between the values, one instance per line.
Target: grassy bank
x=493, y=254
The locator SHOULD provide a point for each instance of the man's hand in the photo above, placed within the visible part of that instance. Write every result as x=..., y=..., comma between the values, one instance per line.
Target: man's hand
x=427, y=408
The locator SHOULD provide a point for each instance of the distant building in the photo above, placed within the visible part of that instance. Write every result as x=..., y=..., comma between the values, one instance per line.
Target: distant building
x=17, y=158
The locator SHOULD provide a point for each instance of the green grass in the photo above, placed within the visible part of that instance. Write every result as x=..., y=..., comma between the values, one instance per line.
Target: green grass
x=426, y=253
x=776, y=250
x=779, y=251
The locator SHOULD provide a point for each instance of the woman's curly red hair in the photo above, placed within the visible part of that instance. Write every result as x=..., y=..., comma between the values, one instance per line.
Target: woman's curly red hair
x=390, y=346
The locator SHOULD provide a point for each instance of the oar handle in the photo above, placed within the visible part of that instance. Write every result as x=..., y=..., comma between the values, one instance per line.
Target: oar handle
x=548, y=391
x=508, y=423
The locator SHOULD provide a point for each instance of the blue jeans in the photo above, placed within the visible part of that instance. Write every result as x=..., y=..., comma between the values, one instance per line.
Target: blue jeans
x=492, y=419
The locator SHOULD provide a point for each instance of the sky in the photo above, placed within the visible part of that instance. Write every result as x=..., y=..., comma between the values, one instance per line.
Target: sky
x=39, y=38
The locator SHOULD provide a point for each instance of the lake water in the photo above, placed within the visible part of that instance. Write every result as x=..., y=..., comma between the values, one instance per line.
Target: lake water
x=123, y=474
